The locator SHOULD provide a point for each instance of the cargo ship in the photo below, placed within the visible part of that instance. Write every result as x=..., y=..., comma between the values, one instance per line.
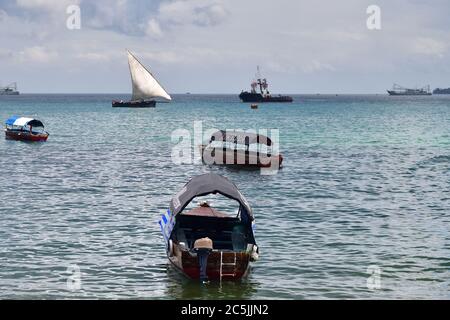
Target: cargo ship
x=441, y=91
x=398, y=90
x=9, y=90
x=263, y=95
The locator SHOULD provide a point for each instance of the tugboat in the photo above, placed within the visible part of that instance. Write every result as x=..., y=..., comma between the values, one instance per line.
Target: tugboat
x=264, y=94
x=145, y=87
x=398, y=90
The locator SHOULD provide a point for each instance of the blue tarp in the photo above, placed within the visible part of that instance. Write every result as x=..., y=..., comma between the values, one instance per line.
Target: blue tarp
x=11, y=120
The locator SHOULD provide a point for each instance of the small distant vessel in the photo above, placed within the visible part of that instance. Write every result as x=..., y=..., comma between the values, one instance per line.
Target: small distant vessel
x=398, y=90
x=204, y=243
x=254, y=106
x=218, y=152
x=441, y=91
x=263, y=95
x=25, y=129
x=9, y=90
x=145, y=87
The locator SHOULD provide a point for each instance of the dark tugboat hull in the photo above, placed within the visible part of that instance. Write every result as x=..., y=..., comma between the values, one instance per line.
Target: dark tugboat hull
x=25, y=136
x=134, y=104
x=257, y=97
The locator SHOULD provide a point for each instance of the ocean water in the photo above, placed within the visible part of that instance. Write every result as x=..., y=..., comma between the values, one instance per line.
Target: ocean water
x=360, y=210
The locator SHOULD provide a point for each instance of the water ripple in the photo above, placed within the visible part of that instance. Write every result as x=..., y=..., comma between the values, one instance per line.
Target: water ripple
x=365, y=183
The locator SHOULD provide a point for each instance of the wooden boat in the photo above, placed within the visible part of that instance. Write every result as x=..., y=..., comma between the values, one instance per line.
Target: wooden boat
x=145, y=87
x=218, y=152
x=228, y=241
x=25, y=129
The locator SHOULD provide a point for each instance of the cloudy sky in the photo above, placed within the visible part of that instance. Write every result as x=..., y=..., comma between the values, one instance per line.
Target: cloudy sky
x=213, y=46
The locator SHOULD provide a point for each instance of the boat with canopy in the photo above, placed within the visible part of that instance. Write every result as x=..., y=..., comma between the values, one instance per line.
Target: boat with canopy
x=204, y=243
x=235, y=148
x=25, y=129
x=145, y=87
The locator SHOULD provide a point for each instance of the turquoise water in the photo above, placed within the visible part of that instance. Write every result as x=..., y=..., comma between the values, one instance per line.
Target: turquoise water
x=365, y=186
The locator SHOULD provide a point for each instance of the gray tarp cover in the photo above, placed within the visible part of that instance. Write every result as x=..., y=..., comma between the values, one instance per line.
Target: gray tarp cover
x=240, y=137
x=206, y=184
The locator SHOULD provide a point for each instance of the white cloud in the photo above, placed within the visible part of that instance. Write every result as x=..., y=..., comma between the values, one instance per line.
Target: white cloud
x=316, y=65
x=93, y=57
x=49, y=5
x=429, y=46
x=153, y=29
x=3, y=15
x=198, y=12
x=107, y=14
x=37, y=54
x=36, y=3
x=5, y=54
x=164, y=57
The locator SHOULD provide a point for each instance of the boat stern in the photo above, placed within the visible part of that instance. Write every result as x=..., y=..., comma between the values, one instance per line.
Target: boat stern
x=221, y=265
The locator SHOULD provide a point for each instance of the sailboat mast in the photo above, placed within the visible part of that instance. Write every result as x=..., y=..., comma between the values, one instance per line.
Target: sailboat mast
x=258, y=77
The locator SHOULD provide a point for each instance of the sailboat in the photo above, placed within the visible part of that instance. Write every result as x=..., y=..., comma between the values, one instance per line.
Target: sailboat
x=145, y=87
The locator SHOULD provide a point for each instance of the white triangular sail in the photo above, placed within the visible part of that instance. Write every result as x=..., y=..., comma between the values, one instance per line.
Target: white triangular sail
x=145, y=86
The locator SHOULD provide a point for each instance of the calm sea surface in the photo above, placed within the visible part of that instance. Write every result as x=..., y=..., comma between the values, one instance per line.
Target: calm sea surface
x=361, y=209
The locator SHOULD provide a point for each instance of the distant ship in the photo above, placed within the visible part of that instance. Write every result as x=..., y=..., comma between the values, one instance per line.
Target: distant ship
x=263, y=95
x=9, y=90
x=398, y=90
x=441, y=91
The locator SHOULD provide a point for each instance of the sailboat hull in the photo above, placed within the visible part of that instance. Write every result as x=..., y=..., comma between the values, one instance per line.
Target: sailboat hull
x=134, y=104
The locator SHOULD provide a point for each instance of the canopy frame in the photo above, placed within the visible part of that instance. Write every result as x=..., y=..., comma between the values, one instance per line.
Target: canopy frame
x=210, y=183
x=16, y=121
x=240, y=137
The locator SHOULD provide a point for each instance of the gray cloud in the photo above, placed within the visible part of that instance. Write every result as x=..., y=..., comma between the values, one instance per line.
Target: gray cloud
x=199, y=12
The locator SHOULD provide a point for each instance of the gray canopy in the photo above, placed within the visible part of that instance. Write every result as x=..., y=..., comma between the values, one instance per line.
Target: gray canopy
x=206, y=184
x=240, y=137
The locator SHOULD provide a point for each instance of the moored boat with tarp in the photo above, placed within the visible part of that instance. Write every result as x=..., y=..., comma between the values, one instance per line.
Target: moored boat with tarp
x=204, y=243
x=240, y=149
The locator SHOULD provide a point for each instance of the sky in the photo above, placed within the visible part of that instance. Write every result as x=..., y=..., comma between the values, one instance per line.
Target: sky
x=214, y=46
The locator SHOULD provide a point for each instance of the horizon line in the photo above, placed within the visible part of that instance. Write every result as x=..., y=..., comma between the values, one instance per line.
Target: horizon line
x=198, y=93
